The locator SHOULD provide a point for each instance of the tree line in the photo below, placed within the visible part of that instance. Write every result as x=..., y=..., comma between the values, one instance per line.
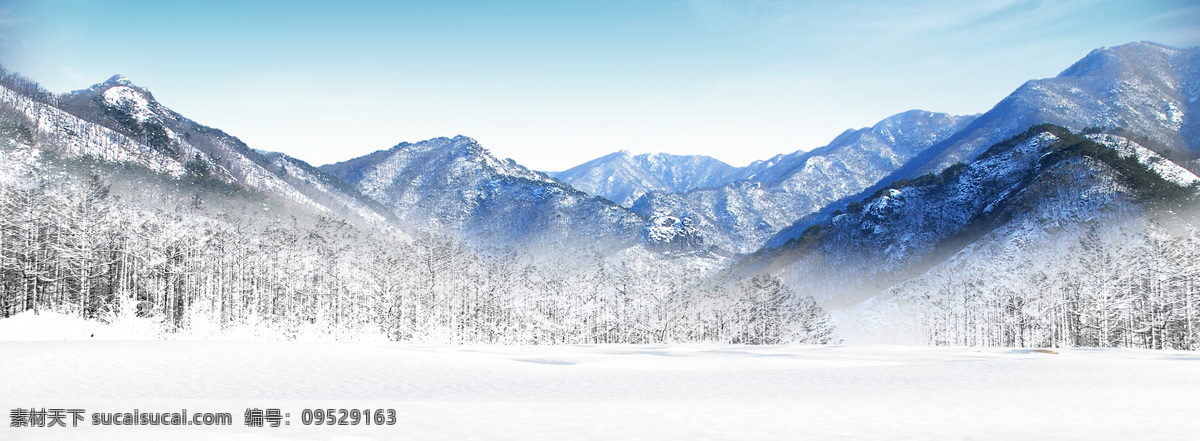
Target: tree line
x=1133, y=284
x=93, y=238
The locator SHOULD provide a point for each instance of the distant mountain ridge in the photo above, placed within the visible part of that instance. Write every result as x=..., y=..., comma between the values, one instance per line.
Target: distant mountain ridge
x=455, y=186
x=623, y=177
x=742, y=215
x=693, y=202
x=1143, y=91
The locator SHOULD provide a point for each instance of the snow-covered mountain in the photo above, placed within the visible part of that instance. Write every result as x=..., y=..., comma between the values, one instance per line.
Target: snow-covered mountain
x=120, y=122
x=623, y=177
x=1017, y=207
x=456, y=186
x=1065, y=216
x=1144, y=89
x=1141, y=91
x=71, y=136
x=773, y=194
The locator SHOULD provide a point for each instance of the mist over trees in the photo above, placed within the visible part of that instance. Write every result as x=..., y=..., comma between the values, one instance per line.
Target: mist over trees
x=1082, y=246
x=1050, y=238
x=1129, y=283
x=96, y=238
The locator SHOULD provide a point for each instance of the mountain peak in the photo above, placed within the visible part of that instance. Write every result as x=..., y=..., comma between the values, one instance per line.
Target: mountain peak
x=1107, y=60
x=118, y=90
x=117, y=80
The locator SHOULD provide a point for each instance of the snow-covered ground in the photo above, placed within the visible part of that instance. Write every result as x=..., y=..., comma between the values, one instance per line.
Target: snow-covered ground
x=655, y=392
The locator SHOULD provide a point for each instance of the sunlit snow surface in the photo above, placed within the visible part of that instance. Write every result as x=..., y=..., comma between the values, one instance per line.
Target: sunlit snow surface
x=692, y=391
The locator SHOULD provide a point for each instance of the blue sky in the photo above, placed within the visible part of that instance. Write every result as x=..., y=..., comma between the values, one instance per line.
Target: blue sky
x=552, y=84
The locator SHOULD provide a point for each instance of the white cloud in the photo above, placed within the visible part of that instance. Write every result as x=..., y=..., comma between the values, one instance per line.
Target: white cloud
x=10, y=19
x=71, y=74
x=6, y=22
x=9, y=22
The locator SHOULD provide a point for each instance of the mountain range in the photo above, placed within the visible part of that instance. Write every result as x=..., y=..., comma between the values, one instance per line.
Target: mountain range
x=455, y=186
x=1142, y=90
x=911, y=217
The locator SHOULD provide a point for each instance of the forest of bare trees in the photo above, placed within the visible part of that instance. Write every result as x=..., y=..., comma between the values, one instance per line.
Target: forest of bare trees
x=100, y=232
x=1126, y=284
x=92, y=238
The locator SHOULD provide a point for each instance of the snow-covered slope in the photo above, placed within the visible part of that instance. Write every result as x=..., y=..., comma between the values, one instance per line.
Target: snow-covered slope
x=456, y=186
x=1144, y=89
x=627, y=392
x=120, y=122
x=623, y=177
x=1043, y=187
x=132, y=111
x=70, y=136
x=742, y=215
x=326, y=189
x=1141, y=91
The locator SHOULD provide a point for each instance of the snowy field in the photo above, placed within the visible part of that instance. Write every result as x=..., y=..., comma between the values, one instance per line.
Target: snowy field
x=607, y=391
